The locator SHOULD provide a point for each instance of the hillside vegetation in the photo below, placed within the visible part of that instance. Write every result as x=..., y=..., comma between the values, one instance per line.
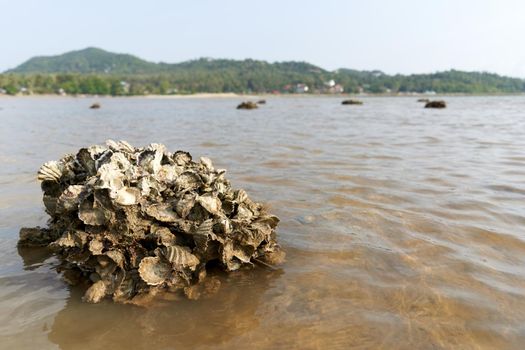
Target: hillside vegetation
x=95, y=71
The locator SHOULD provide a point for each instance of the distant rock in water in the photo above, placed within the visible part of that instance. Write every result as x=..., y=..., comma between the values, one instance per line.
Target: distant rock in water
x=261, y=102
x=426, y=100
x=95, y=106
x=352, y=102
x=248, y=105
x=436, y=104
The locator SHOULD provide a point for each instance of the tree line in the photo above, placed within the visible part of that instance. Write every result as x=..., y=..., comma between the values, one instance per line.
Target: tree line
x=253, y=79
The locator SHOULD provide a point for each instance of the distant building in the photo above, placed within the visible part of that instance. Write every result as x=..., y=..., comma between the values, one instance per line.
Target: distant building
x=61, y=92
x=338, y=89
x=3, y=91
x=125, y=86
x=301, y=88
x=330, y=83
x=331, y=87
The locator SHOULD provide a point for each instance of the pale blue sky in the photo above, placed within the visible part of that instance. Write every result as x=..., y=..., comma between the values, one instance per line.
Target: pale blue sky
x=403, y=36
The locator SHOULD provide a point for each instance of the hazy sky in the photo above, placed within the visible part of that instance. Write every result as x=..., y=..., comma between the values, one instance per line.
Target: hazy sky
x=396, y=36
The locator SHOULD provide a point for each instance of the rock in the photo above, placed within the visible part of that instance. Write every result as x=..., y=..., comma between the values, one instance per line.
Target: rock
x=425, y=100
x=436, y=104
x=35, y=237
x=261, y=102
x=95, y=106
x=248, y=105
x=131, y=222
x=352, y=102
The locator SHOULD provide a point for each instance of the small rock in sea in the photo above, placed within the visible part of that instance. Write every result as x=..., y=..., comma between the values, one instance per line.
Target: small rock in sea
x=132, y=222
x=261, y=102
x=436, y=104
x=425, y=100
x=248, y=105
x=352, y=102
x=95, y=106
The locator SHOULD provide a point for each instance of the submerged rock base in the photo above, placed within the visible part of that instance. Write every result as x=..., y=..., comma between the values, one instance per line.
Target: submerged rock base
x=436, y=104
x=352, y=102
x=133, y=221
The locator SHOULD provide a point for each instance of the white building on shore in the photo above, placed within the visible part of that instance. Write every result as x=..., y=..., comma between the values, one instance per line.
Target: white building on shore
x=301, y=88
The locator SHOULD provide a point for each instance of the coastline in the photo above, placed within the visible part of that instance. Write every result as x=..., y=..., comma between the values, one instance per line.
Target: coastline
x=198, y=95
x=228, y=95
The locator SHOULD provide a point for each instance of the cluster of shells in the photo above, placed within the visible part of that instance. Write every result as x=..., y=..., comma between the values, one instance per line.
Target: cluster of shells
x=134, y=220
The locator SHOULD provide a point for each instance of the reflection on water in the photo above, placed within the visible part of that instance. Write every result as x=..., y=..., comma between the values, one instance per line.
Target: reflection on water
x=166, y=324
x=33, y=257
x=404, y=227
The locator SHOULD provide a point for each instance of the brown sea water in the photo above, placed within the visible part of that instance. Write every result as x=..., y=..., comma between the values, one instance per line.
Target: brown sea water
x=404, y=227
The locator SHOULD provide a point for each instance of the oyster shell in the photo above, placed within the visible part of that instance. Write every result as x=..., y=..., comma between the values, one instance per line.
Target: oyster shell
x=120, y=146
x=127, y=196
x=117, y=256
x=243, y=213
x=126, y=147
x=205, y=229
x=182, y=158
x=105, y=267
x=96, y=246
x=228, y=258
x=168, y=173
x=110, y=177
x=50, y=171
x=211, y=203
x=92, y=214
x=270, y=220
x=86, y=159
x=163, y=235
x=127, y=287
x=81, y=238
x=180, y=257
x=162, y=212
x=112, y=145
x=241, y=196
x=188, y=181
x=185, y=204
x=153, y=271
x=65, y=241
x=95, y=293
x=70, y=198
x=207, y=163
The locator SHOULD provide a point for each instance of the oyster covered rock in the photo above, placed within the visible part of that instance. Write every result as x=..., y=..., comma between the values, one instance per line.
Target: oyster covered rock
x=132, y=221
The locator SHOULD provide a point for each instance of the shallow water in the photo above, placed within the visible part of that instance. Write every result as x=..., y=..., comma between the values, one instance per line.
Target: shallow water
x=404, y=227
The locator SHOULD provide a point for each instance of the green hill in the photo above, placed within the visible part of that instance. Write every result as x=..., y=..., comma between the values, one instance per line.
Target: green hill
x=87, y=61
x=97, y=61
x=95, y=71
